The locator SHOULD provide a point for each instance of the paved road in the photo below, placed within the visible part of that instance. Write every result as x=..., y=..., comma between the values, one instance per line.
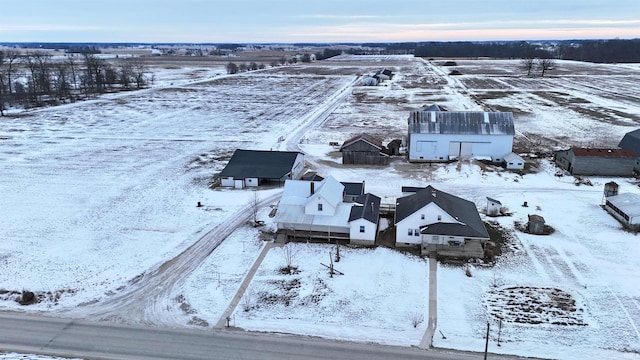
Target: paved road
x=102, y=340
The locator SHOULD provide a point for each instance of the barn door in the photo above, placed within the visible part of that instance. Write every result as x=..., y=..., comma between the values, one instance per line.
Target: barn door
x=454, y=149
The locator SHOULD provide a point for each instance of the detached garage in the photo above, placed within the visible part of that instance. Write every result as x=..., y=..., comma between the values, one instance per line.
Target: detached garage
x=251, y=168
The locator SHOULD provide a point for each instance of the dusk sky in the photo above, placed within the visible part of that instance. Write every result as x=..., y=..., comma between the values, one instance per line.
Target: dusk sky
x=288, y=21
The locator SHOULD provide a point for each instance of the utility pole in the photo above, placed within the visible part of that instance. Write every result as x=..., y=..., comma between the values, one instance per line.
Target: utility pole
x=486, y=344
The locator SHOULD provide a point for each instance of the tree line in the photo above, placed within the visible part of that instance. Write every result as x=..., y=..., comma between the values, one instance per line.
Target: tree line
x=600, y=51
x=37, y=79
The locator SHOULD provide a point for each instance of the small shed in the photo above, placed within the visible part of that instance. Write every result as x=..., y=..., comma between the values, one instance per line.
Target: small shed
x=610, y=189
x=493, y=207
x=535, y=224
x=393, y=147
x=513, y=161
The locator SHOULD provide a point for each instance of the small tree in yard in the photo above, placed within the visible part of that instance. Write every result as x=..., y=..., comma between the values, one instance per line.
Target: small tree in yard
x=416, y=318
x=254, y=206
x=290, y=254
x=248, y=301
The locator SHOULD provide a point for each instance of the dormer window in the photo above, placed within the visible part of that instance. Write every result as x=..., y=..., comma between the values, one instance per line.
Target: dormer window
x=320, y=207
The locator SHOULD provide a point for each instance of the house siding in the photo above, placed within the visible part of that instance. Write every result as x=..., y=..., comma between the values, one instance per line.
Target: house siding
x=415, y=221
x=366, y=238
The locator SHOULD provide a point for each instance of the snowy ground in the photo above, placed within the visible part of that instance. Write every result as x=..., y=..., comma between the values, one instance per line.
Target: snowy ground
x=97, y=195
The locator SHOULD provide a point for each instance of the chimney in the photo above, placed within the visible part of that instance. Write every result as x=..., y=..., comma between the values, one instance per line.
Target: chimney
x=313, y=187
x=433, y=192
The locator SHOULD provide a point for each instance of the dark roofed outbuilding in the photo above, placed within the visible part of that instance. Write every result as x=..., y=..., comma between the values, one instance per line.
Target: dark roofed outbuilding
x=251, y=167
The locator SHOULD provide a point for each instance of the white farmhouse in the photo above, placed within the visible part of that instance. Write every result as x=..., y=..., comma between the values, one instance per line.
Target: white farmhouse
x=435, y=135
x=438, y=221
x=315, y=210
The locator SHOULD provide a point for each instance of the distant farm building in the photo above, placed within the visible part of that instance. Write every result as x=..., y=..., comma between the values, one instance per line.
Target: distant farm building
x=626, y=208
x=251, y=168
x=596, y=161
x=449, y=135
x=369, y=81
x=631, y=141
x=363, y=149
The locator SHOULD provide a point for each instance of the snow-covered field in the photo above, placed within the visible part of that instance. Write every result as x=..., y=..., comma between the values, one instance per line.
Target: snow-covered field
x=95, y=197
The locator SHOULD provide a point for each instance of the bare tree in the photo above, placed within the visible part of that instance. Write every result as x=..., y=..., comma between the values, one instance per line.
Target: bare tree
x=416, y=318
x=546, y=64
x=289, y=254
x=527, y=64
x=140, y=71
x=12, y=58
x=73, y=66
x=254, y=206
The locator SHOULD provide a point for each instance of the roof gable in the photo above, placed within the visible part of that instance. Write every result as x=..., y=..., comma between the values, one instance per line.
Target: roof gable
x=329, y=189
x=363, y=137
x=260, y=164
x=369, y=208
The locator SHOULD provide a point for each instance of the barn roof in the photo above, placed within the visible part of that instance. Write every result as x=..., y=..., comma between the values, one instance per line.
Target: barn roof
x=462, y=210
x=363, y=137
x=461, y=122
x=260, y=164
x=604, y=152
x=368, y=209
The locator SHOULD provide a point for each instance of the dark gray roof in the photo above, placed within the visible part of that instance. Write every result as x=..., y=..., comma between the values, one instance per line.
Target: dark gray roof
x=411, y=189
x=452, y=229
x=461, y=122
x=260, y=164
x=312, y=176
x=494, y=200
x=463, y=210
x=434, y=107
x=631, y=141
x=368, y=210
x=353, y=188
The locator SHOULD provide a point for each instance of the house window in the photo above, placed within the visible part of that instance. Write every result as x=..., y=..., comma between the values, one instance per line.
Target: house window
x=361, y=228
x=319, y=207
x=422, y=216
x=434, y=238
x=416, y=232
x=439, y=217
x=410, y=232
